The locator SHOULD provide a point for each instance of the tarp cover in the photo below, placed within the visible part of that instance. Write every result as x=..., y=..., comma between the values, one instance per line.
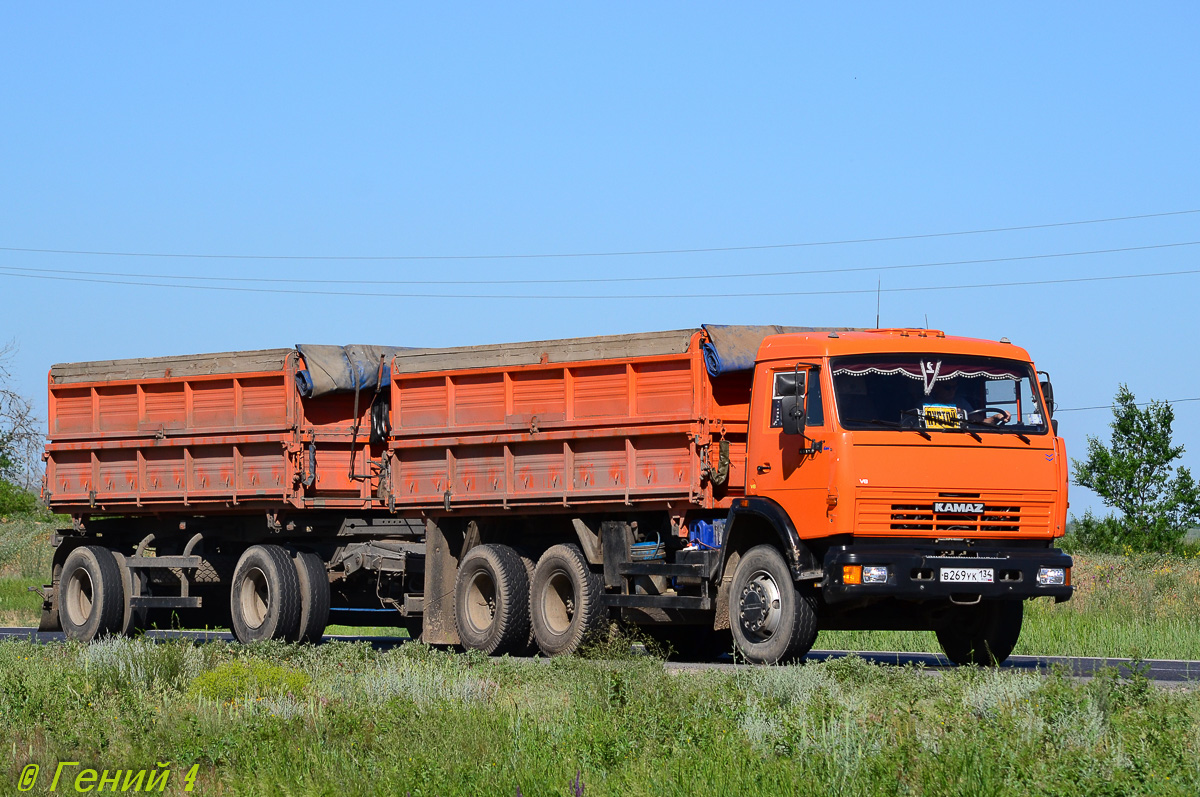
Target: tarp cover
x=733, y=348
x=333, y=369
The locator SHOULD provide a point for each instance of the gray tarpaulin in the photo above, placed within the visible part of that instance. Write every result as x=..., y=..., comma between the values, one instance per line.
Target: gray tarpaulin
x=332, y=369
x=733, y=348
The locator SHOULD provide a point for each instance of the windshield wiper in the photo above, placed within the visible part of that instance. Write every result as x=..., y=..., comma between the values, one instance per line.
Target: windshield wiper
x=967, y=423
x=890, y=425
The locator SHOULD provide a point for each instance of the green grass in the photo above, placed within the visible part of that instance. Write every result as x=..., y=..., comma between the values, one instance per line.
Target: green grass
x=343, y=719
x=24, y=562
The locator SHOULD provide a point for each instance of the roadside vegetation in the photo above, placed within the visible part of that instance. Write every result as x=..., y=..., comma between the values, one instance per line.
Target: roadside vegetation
x=343, y=719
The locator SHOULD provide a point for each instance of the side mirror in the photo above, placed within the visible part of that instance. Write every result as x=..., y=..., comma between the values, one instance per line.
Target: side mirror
x=792, y=414
x=1048, y=395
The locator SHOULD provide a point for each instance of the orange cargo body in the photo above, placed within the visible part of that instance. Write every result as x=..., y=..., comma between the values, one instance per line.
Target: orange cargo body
x=602, y=421
x=596, y=421
x=198, y=433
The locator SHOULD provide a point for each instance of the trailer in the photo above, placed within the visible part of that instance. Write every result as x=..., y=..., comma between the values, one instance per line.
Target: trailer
x=715, y=486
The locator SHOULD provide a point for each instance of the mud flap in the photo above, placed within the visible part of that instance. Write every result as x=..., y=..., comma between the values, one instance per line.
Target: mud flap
x=443, y=549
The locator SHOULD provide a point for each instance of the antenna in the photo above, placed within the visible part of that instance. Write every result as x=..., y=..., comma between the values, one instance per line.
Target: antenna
x=878, y=285
x=927, y=320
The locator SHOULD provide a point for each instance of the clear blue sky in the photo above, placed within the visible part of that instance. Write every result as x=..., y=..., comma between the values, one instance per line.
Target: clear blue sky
x=420, y=130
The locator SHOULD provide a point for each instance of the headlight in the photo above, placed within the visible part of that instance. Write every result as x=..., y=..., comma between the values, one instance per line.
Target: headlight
x=1052, y=576
x=874, y=575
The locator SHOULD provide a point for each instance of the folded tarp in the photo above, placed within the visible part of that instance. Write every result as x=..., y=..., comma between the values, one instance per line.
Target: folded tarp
x=733, y=348
x=333, y=369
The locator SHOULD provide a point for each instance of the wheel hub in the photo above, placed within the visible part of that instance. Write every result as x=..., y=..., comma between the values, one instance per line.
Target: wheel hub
x=759, y=606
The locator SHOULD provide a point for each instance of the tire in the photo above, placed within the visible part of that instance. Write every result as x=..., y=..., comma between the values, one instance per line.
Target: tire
x=91, y=600
x=314, y=596
x=691, y=642
x=566, y=600
x=491, y=600
x=530, y=647
x=771, y=621
x=984, y=634
x=133, y=621
x=264, y=599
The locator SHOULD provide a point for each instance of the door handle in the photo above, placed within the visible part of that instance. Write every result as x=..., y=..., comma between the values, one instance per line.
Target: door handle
x=764, y=468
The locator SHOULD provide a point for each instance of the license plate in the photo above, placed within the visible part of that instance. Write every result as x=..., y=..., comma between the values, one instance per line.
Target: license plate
x=968, y=575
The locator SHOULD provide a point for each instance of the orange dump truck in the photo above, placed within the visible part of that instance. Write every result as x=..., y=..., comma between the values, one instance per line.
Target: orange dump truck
x=728, y=485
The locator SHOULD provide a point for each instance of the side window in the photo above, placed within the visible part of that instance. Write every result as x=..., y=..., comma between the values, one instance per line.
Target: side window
x=816, y=407
x=784, y=385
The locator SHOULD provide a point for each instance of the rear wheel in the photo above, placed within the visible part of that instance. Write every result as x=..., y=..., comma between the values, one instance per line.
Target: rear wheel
x=491, y=600
x=772, y=621
x=265, y=599
x=566, y=600
x=984, y=634
x=314, y=596
x=91, y=598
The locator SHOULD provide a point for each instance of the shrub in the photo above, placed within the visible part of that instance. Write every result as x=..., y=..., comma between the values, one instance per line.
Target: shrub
x=241, y=680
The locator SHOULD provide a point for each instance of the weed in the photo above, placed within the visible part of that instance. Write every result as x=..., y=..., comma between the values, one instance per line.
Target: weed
x=246, y=680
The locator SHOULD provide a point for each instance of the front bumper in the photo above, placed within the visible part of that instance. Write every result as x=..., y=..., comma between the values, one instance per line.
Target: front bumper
x=914, y=573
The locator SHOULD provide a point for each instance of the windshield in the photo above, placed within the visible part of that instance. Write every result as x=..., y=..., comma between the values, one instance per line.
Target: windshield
x=937, y=393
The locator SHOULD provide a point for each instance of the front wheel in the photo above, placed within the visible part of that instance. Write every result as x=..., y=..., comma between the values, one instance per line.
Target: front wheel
x=984, y=634
x=772, y=622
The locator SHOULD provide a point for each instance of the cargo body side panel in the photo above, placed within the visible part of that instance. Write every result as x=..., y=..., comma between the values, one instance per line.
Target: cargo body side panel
x=171, y=435
x=578, y=433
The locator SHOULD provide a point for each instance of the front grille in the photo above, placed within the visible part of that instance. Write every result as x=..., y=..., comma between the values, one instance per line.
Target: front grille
x=922, y=517
x=886, y=512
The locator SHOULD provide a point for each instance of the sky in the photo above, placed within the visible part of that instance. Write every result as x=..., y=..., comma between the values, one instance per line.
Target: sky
x=453, y=132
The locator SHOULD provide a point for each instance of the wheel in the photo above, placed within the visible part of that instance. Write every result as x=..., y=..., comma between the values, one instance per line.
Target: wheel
x=566, y=600
x=530, y=647
x=314, y=596
x=771, y=621
x=491, y=600
x=91, y=596
x=691, y=642
x=264, y=600
x=984, y=634
x=133, y=620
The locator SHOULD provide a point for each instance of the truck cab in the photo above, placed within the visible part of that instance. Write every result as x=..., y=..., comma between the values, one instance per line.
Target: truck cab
x=917, y=480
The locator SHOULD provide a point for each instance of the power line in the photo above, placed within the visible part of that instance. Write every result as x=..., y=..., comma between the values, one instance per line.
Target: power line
x=1137, y=404
x=628, y=253
x=587, y=280
x=620, y=297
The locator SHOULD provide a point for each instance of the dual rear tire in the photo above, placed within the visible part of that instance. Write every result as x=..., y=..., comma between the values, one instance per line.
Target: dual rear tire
x=491, y=600
x=506, y=604
x=91, y=594
x=279, y=595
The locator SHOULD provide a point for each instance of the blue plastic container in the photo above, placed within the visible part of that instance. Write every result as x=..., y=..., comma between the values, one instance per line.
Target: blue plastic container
x=707, y=533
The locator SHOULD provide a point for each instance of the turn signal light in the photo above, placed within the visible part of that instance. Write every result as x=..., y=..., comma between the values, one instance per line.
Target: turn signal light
x=851, y=574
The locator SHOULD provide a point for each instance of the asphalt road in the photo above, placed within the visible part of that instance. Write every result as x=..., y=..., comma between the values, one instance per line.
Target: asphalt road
x=1163, y=671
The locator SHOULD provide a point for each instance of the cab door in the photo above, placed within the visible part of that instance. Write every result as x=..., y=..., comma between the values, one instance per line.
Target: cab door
x=791, y=469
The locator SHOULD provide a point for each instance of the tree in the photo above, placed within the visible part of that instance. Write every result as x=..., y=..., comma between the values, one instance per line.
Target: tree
x=20, y=444
x=1135, y=476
